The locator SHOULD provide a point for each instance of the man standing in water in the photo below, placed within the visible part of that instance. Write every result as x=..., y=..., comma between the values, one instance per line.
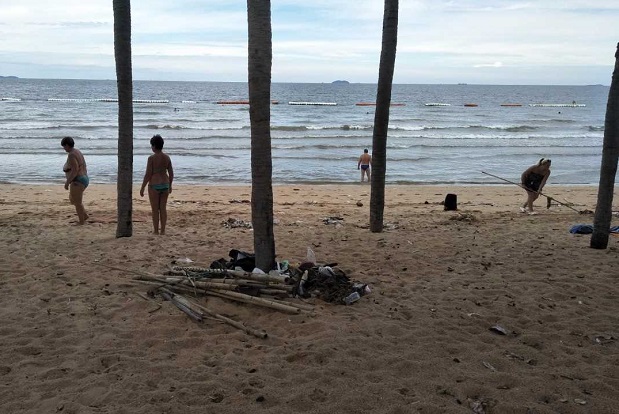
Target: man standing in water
x=365, y=160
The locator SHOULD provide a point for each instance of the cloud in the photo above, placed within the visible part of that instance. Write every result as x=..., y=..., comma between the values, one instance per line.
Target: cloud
x=489, y=65
x=314, y=40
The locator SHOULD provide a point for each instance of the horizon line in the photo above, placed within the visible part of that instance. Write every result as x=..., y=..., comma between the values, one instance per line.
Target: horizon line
x=339, y=82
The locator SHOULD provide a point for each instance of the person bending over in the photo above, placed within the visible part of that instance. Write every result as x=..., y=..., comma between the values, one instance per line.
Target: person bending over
x=77, y=177
x=533, y=180
x=158, y=176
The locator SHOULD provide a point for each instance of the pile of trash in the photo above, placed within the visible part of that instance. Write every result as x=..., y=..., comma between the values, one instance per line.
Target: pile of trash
x=283, y=288
x=308, y=278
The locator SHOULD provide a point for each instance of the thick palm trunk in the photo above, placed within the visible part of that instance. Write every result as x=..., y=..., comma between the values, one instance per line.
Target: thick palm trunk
x=381, y=116
x=259, y=77
x=608, y=171
x=124, y=80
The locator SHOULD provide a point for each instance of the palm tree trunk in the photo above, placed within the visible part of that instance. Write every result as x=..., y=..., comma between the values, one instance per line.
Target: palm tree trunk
x=381, y=116
x=259, y=77
x=124, y=81
x=608, y=171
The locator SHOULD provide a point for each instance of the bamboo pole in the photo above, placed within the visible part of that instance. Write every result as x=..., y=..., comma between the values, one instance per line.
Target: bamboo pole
x=175, y=288
x=241, y=297
x=264, y=277
x=245, y=282
x=566, y=204
x=238, y=325
x=302, y=306
x=222, y=284
x=184, y=281
x=182, y=304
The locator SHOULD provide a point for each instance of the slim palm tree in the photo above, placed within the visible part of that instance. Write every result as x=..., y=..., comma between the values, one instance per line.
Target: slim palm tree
x=381, y=116
x=259, y=80
x=124, y=81
x=608, y=171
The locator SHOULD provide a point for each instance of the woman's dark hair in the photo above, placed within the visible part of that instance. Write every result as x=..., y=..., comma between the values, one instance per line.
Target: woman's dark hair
x=67, y=141
x=157, y=142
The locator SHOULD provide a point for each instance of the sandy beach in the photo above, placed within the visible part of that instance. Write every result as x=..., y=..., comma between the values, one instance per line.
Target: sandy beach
x=79, y=337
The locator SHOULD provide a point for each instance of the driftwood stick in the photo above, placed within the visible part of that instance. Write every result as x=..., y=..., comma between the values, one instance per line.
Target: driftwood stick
x=241, y=297
x=238, y=325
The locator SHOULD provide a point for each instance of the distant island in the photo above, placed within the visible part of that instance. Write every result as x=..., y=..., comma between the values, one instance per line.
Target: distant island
x=9, y=77
x=340, y=82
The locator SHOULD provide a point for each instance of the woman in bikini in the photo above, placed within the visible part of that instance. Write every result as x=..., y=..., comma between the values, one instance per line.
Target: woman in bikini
x=77, y=177
x=533, y=180
x=159, y=176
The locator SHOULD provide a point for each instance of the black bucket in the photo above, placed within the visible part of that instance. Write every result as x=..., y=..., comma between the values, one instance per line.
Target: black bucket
x=451, y=202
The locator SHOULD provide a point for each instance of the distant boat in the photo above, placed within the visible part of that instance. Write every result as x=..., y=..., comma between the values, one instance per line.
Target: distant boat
x=511, y=104
x=437, y=104
x=471, y=104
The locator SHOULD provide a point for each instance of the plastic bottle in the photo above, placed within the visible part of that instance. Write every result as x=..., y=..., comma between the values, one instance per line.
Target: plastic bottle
x=352, y=298
x=311, y=256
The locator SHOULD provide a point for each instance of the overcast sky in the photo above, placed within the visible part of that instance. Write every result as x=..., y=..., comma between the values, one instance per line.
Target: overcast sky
x=439, y=41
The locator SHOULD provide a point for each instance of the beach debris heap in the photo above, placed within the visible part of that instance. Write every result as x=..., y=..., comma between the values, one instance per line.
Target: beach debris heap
x=283, y=289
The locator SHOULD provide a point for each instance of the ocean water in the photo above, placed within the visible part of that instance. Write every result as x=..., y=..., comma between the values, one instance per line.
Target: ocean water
x=210, y=143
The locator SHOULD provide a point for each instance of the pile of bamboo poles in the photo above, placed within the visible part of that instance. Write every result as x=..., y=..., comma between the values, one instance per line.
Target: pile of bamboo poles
x=182, y=282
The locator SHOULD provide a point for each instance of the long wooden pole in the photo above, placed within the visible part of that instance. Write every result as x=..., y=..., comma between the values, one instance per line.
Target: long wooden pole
x=566, y=204
x=241, y=297
x=263, y=277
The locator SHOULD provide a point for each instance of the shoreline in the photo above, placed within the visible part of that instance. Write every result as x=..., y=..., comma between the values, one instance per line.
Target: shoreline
x=311, y=183
x=483, y=198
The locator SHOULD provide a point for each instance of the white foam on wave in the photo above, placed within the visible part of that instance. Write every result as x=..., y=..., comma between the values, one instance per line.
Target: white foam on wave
x=313, y=103
x=105, y=100
x=558, y=105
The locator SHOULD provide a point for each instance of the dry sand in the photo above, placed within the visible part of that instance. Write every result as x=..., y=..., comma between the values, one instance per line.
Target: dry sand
x=76, y=337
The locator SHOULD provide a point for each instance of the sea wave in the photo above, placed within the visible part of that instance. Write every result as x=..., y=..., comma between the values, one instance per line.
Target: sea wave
x=181, y=127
